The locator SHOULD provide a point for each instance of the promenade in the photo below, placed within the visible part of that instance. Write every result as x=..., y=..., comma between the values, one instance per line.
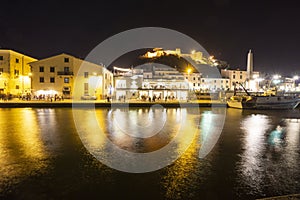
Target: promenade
x=16, y=103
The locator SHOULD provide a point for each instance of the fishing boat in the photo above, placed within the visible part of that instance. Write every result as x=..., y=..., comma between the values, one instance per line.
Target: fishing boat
x=264, y=101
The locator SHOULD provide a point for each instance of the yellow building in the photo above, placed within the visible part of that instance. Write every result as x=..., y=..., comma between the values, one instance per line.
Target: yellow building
x=70, y=77
x=14, y=72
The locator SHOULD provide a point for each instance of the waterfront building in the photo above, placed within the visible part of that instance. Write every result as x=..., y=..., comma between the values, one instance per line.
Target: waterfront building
x=151, y=80
x=239, y=76
x=215, y=84
x=194, y=80
x=14, y=73
x=57, y=75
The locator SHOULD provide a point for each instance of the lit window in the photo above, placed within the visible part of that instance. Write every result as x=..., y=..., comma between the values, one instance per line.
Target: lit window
x=66, y=80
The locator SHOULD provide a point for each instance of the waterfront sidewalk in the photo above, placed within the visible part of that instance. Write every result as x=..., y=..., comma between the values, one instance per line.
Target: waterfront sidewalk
x=105, y=103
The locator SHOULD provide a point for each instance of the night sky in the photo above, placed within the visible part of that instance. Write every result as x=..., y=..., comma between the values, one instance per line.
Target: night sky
x=227, y=29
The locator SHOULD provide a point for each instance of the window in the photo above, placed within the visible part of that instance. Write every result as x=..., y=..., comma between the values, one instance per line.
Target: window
x=52, y=80
x=42, y=80
x=1, y=70
x=215, y=81
x=41, y=69
x=202, y=80
x=66, y=80
x=16, y=72
x=86, y=88
x=17, y=60
x=52, y=69
x=198, y=84
x=1, y=57
x=233, y=77
x=194, y=78
x=106, y=76
x=66, y=69
x=241, y=76
x=86, y=74
x=194, y=84
x=221, y=81
x=17, y=87
x=66, y=60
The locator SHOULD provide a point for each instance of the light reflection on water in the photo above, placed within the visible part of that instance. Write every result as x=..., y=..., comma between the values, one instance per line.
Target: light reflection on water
x=269, y=162
x=41, y=155
x=21, y=148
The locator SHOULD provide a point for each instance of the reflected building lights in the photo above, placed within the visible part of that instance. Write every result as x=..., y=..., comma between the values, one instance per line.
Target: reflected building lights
x=23, y=146
x=254, y=128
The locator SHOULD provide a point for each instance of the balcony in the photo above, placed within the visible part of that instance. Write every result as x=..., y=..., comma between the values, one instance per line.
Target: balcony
x=65, y=73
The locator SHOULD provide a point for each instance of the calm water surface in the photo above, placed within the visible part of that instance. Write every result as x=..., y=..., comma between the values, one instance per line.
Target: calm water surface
x=42, y=156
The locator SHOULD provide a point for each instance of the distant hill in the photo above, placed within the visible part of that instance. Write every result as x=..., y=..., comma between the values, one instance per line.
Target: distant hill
x=134, y=58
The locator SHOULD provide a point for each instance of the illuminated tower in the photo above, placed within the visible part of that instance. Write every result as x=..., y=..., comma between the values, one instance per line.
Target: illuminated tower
x=250, y=65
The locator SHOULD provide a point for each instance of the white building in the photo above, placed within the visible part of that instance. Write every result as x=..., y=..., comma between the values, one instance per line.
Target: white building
x=238, y=76
x=215, y=84
x=70, y=77
x=194, y=80
x=152, y=80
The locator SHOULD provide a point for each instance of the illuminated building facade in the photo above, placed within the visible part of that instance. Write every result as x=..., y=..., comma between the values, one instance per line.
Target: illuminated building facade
x=239, y=76
x=14, y=73
x=148, y=81
x=58, y=74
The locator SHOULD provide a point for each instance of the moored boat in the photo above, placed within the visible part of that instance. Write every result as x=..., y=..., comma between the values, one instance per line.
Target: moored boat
x=264, y=102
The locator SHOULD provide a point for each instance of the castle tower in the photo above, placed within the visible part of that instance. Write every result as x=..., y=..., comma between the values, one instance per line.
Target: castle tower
x=250, y=65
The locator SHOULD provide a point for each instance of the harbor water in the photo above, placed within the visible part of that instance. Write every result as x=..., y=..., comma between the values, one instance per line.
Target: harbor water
x=52, y=153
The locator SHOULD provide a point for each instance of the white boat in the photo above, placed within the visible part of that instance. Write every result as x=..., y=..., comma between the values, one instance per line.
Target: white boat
x=263, y=102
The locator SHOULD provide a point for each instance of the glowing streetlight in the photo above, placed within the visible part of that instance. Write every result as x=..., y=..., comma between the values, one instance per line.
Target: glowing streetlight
x=276, y=76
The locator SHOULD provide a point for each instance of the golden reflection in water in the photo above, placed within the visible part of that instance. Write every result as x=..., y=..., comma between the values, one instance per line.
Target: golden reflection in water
x=21, y=148
x=180, y=176
x=254, y=127
x=94, y=139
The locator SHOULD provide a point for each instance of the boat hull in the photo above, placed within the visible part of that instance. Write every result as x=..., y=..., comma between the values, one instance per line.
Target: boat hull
x=264, y=102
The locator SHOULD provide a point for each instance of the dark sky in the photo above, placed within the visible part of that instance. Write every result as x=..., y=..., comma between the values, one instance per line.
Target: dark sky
x=225, y=28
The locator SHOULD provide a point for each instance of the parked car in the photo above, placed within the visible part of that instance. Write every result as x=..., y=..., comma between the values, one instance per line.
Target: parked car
x=88, y=97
